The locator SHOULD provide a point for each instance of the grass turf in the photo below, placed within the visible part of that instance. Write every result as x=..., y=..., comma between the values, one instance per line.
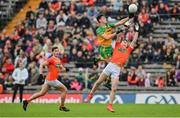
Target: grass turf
x=90, y=110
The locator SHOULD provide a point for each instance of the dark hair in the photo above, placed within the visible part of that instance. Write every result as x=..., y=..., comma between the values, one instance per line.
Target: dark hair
x=99, y=17
x=54, y=48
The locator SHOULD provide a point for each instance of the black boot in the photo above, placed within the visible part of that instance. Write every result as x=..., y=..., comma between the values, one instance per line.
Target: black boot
x=64, y=109
x=25, y=104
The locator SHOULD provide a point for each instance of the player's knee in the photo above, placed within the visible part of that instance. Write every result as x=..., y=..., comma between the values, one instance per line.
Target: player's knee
x=114, y=89
x=65, y=90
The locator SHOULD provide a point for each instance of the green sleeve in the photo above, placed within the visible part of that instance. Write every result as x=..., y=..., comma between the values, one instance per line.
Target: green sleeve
x=111, y=25
x=100, y=30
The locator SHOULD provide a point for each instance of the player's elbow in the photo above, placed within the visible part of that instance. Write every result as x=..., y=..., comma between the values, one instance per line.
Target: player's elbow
x=105, y=37
x=108, y=37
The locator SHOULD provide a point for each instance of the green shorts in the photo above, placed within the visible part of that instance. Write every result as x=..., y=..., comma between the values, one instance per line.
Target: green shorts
x=105, y=52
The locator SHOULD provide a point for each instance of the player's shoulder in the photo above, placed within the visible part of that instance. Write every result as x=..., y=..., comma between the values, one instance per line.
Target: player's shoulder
x=100, y=30
x=53, y=59
x=110, y=25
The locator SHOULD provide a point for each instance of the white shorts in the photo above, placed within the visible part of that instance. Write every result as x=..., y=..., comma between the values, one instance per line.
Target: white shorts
x=53, y=83
x=112, y=70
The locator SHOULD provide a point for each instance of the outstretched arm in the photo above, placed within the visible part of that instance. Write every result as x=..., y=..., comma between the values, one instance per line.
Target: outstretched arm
x=135, y=36
x=121, y=22
x=119, y=39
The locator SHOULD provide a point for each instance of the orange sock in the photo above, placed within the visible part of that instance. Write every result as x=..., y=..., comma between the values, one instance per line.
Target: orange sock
x=109, y=104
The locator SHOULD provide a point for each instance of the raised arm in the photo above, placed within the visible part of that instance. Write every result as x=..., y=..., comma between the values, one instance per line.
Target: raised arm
x=119, y=39
x=136, y=27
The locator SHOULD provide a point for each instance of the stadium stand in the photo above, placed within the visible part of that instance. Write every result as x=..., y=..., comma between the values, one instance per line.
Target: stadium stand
x=8, y=8
x=71, y=25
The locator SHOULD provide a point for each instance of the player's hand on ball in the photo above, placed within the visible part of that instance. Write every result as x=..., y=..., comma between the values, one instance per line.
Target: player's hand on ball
x=127, y=24
x=136, y=27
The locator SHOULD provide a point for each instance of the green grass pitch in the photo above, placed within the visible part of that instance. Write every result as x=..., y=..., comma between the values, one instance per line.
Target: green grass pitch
x=89, y=110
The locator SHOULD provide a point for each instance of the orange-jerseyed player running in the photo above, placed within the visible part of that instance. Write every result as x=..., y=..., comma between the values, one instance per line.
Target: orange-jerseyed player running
x=54, y=68
x=119, y=57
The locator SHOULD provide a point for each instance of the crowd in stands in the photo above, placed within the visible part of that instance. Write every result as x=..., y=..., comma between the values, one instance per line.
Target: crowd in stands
x=71, y=25
x=139, y=77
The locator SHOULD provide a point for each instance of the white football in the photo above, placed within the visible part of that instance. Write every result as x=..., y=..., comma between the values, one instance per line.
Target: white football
x=132, y=8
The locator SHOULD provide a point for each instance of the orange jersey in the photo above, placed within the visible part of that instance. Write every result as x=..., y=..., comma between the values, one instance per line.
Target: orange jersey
x=120, y=55
x=54, y=66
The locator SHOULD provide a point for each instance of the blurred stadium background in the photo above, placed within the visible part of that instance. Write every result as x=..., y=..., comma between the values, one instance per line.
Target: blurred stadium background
x=29, y=29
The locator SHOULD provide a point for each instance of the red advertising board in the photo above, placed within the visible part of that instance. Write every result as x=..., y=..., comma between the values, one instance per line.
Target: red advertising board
x=48, y=98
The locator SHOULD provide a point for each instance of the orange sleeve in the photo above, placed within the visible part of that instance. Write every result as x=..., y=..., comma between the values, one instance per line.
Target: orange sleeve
x=130, y=49
x=50, y=61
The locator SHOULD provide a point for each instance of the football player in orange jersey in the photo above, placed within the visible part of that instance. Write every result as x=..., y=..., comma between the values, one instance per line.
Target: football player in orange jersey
x=119, y=57
x=54, y=68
